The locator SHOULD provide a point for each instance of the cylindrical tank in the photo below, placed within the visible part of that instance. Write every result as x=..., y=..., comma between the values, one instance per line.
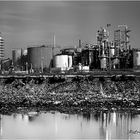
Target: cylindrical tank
x=103, y=62
x=61, y=61
x=41, y=56
x=34, y=56
x=80, y=66
x=112, y=51
x=116, y=63
x=69, y=61
x=25, y=52
x=136, y=58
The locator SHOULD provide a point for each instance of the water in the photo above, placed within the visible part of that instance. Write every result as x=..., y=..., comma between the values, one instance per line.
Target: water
x=50, y=125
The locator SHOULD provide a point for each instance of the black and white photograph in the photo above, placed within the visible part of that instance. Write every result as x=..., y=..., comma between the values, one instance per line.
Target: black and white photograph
x=69, y=69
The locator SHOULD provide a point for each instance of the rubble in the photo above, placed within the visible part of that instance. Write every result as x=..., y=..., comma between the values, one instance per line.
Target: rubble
x=70, y=96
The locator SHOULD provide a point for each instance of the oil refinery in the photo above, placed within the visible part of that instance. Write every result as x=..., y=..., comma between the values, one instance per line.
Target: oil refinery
x=104, y=55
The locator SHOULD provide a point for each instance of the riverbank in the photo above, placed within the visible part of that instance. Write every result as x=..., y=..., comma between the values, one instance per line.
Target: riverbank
x=70, y=96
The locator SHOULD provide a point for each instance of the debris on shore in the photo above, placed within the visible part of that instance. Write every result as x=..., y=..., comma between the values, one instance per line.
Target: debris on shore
x=73, y=95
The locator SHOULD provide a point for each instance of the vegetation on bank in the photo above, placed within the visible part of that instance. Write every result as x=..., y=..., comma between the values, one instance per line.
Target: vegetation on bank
x=71, y=95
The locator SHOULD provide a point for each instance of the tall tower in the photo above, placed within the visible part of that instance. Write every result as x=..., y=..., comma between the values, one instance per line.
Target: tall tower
x=121, y=37
x=1, y=48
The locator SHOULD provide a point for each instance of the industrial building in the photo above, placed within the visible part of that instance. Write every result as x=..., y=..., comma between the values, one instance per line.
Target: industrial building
x=41, y=57
x=1, y=50
x=136, y=59
x=104, y=55
x=64, y=62
x=16, y=56
x=1, y=47
x=6, y=64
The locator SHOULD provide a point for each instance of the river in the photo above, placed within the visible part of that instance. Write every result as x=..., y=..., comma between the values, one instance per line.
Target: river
x=50, y=125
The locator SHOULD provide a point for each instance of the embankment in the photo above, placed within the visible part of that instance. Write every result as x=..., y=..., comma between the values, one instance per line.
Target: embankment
x=69, y=95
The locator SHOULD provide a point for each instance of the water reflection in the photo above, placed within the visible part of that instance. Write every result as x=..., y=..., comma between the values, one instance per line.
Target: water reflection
x=113, y=125
x=0, y=125
x=98, y=125
x=30, y=117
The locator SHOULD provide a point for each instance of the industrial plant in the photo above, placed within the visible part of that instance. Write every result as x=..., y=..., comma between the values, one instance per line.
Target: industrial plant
x=104, y=55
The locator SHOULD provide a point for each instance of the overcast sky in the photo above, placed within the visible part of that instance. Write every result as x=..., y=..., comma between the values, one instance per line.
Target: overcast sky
x=24, y=23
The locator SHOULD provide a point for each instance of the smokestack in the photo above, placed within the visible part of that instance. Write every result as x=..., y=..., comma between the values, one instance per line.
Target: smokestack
x=80, y=43
x=54, y=41
x=53, y=45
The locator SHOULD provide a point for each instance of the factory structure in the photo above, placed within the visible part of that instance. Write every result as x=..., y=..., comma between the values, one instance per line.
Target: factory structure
x=40, y=58
x=104, y=55
x=1, y=47
x=5, y=63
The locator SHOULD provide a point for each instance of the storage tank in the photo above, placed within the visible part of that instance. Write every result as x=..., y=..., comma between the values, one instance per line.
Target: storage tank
x=69, y=61
x=112, y=51
x=136, y=58
x=61, y=61
x=41, y=56
x=25, y=52
x=116, y=63
x=103, y=62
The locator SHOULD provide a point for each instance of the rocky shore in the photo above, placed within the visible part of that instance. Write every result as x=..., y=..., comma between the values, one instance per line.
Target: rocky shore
x=72, y=95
